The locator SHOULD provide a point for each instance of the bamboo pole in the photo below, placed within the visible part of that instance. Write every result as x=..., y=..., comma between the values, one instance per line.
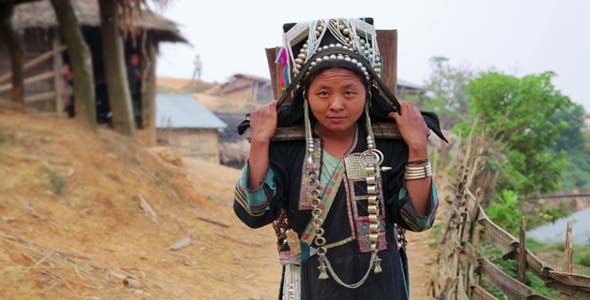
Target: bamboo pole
x=522, y=251
x=568, y=256
x=58, y=81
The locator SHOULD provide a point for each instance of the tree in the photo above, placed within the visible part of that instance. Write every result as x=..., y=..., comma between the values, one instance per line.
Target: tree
x=446, y=91
x=517, y=115
x=113, y=57
x=69, y=28
x=15, y=47
x=573, y=142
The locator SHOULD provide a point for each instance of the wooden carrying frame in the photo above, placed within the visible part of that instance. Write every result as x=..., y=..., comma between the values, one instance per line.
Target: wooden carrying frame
x=387, y=40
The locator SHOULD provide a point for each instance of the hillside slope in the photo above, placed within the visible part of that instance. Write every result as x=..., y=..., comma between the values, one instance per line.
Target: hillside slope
x=72, y=224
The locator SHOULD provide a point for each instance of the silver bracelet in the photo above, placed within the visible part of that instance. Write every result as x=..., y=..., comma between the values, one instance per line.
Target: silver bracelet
x=413, y=173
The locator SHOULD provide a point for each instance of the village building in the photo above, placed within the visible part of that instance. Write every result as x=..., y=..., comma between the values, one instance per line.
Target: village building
x=47, y=90
x=249, y=87
x=187, y=126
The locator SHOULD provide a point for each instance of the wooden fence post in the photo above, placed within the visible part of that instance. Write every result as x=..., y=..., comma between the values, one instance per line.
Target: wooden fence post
x=568, y=256
x=522, y=251
x=58, y=79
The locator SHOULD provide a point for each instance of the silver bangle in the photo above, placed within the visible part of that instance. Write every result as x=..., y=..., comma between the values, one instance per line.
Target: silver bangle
x=413, y=173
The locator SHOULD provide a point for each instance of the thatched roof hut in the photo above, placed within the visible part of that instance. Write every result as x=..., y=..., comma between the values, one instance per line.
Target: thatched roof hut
x=45, y=57
x=41, y=15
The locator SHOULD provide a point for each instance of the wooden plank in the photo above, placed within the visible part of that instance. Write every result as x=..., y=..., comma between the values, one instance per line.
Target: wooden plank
x=571, y=279
x=508, y=285
x=387, y=40
x=32, y=79
x=572, y=291
x=498, y=234
x=33, y=62
x=40, y=97
x=479, y=293
x=386, y=131
x=274, y=69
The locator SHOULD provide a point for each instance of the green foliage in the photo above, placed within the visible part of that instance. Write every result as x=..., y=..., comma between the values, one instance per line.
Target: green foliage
x=57, y=182
x=518, y=115
x=574, y=142
x=510, y=267
x=506, y=211
x=585, y=260
x=446, y=91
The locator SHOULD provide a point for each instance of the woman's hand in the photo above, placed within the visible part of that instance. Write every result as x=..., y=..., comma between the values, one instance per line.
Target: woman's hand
x=412, y=128
x=263, y=122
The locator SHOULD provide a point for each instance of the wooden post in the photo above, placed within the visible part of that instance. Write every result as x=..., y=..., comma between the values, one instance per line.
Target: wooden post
x=148, y=92
x=14, y=45
x=81, y=62
x=271, y=55
x=115, y=69
x=522, y=251
x=568, y=257
x=387, y=40
x=58, y=81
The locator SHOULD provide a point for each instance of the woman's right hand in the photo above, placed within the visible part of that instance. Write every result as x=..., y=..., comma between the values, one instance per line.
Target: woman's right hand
x=263, y=122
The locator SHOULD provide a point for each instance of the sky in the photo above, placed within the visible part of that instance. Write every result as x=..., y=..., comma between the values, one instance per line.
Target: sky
x=515, y=37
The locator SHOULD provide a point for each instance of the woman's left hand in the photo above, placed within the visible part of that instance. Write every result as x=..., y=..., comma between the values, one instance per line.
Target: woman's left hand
x=411, y=126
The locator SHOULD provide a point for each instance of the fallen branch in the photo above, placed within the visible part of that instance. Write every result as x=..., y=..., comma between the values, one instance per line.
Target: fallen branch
x=239, y=241
x=211, y=220
x=147, y=208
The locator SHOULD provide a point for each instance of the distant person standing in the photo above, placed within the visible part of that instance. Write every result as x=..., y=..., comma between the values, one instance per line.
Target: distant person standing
x=198, y=68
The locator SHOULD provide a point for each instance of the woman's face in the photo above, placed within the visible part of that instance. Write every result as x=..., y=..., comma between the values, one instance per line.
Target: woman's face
x=337, y=100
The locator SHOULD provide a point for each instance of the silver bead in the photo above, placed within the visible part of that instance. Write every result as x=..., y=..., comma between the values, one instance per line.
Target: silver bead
x=347, y=59
x=304, y=46
x=354, y=61
x=325, y=47
x=331, y=45
x=317, y=34
x=346, y=31
x=363, y=42
x=297, y=66
x=340, y=56
x=377, y=70
x=339, y=45
x=326, y=58
x=364, y=69
x=341, y=27
x=367, y=52
x=333, y=56
x=319, y=28
x=319, y=59
x=298, y=60
x=347, y=39
x=313, y=63
x=359, y=64
x=302, y=55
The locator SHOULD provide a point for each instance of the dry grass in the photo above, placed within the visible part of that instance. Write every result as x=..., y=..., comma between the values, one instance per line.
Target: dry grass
x=72, y=227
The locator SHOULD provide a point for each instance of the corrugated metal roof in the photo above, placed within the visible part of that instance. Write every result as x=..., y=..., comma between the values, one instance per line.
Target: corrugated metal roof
x=407, y=84
x=184, y=111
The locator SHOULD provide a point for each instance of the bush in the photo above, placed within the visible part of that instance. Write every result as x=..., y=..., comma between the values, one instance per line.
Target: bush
x=585, y=260
x=506, y=211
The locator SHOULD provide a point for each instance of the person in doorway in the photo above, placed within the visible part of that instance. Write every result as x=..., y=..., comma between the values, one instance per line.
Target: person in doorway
x=68, y=89
x=135, y=77
x=339, y=199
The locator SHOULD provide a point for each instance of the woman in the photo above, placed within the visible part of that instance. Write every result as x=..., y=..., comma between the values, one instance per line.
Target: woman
x=335, y=198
